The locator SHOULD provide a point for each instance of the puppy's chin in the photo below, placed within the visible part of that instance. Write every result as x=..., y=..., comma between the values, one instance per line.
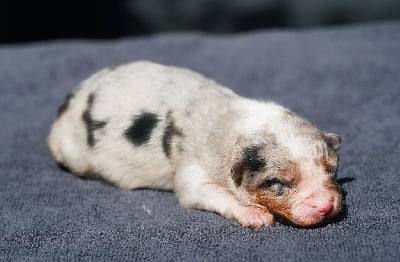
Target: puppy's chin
x=309, y=218
x=313, y=220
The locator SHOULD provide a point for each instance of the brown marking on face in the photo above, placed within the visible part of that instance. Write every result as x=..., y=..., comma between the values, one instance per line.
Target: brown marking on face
x=282, y=207
x=290, y=174
x=275, y=192
x=331, y=185
x=281, y=204
x=328, y=163
x=278, y=206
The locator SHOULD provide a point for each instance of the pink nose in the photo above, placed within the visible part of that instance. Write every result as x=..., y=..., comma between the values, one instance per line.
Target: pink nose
x=320, y=202
x=326, y=207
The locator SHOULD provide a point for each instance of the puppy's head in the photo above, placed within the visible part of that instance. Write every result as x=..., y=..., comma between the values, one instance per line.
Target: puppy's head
x=290, y=171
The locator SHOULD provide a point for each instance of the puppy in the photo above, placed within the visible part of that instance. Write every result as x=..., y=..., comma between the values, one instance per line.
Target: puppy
x=145, y=125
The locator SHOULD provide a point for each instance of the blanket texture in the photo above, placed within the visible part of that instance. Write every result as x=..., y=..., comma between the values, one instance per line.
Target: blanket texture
x=344, y=79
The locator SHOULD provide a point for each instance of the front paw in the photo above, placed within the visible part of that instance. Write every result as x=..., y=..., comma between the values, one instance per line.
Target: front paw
x=252, y=216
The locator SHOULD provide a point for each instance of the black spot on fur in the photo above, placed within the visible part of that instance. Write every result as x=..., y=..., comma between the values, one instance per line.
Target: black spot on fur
x=237, y=172
x=252, y=159
x=140, y=130
x=91, y=124
x=251, y=162
x=64, y=106
x=169, y=132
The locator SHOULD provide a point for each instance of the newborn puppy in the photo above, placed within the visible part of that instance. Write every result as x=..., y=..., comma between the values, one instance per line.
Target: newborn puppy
x=145, y=125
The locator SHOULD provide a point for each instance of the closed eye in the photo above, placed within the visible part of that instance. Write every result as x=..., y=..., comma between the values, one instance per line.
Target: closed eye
x=275, y=185
x=272, y=182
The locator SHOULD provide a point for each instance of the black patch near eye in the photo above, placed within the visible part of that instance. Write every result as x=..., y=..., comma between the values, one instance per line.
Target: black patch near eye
x=140, y=130
x=252, y=159
x=91, y=124
x=251, y=162
x=237, y=173
x=169, y=131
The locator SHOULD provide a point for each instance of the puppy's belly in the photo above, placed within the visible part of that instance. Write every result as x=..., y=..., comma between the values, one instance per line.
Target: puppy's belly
x=128, y=166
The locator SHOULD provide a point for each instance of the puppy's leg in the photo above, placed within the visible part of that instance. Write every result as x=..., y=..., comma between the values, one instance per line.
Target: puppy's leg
x=196, y=190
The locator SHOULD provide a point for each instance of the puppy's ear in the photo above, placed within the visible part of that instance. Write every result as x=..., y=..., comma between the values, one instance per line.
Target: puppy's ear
x=333, y=140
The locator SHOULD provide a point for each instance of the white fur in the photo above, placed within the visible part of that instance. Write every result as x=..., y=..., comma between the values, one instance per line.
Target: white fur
x=257, y=115
x=210, y=117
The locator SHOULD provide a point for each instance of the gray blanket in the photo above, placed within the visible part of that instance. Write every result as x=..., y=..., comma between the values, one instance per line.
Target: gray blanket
x=344, y=79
